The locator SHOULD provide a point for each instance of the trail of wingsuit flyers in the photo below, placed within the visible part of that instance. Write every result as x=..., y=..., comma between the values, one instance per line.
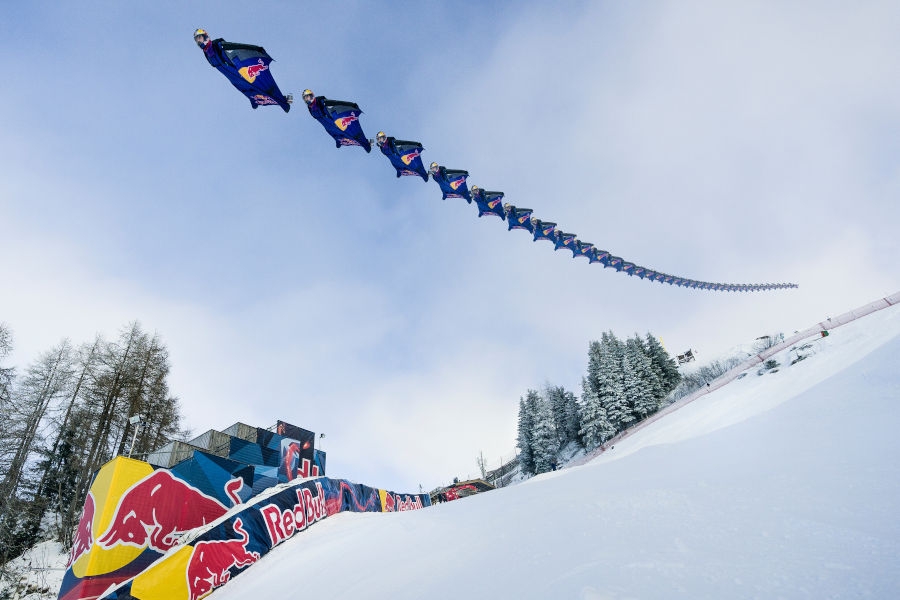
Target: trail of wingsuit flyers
x=247, y=68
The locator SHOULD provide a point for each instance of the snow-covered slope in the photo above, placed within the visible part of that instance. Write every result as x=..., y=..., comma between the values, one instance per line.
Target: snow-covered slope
x=784, y=485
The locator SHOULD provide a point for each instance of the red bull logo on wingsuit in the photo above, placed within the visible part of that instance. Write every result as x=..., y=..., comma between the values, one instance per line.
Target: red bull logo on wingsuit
x=156, y=510
x=408, y=158
x=344, y=122
x=457, y=182
x=84, y=537
x=211, y=561
x=307, y=510
x=250, y=73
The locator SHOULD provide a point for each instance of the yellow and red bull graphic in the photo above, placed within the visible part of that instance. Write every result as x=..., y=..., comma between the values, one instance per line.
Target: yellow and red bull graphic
x=343, y=123
x=153, y=535
x=250, y=72
x=409, y=157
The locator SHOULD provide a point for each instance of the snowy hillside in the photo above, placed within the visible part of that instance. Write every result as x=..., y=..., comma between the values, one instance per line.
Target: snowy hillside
x=784, y=484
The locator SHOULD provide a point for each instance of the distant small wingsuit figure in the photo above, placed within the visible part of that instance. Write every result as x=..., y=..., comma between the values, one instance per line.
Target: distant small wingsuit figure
x=451, y=181
x=488, y=203
x=246, y=67
x=518, y=218
x=339, y=118
x=405, y=156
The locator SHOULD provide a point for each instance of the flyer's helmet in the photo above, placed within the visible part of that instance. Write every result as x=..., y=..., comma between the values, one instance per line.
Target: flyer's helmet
x=308, y=96
x=201, y=37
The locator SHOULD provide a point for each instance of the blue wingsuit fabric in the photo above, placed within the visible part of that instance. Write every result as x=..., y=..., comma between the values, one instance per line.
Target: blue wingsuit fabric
x=247, y=68
x=405, y=156
x=341, y=120
x=452, y=183
x=489, y=203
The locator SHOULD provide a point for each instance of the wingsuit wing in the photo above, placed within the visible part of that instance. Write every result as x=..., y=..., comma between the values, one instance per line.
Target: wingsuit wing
x=585, y=249
x=519, y=218
x=544, y=230
x=565, y=240
x=341, y=121
x=247, y=68
x=490, y=203
x=406, y=157
x=453, y=184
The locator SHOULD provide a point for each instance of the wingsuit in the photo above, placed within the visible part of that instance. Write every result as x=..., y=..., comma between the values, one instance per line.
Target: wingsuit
x=339, y=118
x=405, y=156
x=488, y=203
x=246, y=67
x=452, y=182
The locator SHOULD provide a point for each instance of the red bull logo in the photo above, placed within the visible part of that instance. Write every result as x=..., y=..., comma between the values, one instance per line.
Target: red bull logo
x=408, y=158
x=524, y=219
x=308, y=509
x=457, y=182
x=249, y=73
x=84, y=537
x=211, y=562
x=233, y=490
x=156, y=510
x=343, y=123
x=398, y=503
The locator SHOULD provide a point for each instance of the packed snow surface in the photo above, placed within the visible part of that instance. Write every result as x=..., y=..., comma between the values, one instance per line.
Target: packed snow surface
x=779, y=485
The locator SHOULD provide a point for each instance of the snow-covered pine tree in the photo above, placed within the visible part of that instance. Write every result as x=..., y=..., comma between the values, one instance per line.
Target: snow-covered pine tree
x=595, y=426
x=544, y=443
x=654, y=379
x=526, y=427
x=565, y=413
x=665, y=364
x=639, y=380
x=557, y=401
x=611, y=382
x=573, y=418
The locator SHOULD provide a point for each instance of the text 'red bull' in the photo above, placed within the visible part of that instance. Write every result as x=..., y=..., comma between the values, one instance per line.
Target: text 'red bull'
x=398, y=503
x=308, y=509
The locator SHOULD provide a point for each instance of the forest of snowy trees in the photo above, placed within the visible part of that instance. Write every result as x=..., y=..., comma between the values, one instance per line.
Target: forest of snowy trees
x=625, y=383
x=64, y=416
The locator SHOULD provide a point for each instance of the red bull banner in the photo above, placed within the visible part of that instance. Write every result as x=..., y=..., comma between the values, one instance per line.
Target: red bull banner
x=149, y=534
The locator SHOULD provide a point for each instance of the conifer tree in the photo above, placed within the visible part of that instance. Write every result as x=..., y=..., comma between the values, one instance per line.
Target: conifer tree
x=610, y=390
x=595, y=426
x=524, y=443
x=639, y=381
x=665, y=364
x=565, y=413
x=545, y=444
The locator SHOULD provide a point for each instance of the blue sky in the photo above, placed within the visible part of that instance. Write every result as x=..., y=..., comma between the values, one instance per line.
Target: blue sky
x=738, y=143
